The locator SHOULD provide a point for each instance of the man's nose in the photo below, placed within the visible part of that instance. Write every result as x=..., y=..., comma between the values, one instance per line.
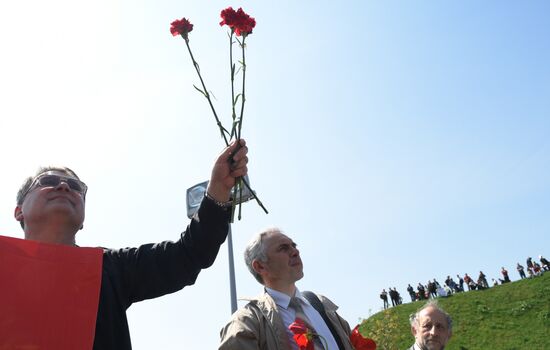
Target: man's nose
x=63, y=186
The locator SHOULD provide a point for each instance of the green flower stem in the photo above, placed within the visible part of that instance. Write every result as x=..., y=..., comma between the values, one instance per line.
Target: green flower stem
x=242, y=109
x=206, y=94
x=238, y=181
x=232, y=70
x=243, y=99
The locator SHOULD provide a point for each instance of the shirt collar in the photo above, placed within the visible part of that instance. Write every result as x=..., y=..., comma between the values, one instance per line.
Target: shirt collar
x=282, y=299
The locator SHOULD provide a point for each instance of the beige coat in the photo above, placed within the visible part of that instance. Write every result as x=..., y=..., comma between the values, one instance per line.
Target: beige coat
x=258, y=326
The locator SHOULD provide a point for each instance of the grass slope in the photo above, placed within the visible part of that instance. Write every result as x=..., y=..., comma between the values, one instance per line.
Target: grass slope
x=512, y=316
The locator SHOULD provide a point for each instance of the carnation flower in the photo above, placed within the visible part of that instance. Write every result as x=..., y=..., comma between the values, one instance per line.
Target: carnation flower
x=305, y=337
x=239, y=22
x=181, y=27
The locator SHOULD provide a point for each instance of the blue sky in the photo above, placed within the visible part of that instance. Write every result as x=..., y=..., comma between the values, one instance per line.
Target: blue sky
x=394, y=141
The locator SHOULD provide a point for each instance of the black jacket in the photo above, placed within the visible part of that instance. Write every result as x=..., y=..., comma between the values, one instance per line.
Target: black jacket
x=152, y=270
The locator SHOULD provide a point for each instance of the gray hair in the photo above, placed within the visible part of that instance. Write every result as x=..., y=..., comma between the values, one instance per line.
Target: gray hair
x=413, y=318
x=255, y=250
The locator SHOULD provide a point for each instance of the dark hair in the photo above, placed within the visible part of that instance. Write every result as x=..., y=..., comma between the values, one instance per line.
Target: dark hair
x=24, y=189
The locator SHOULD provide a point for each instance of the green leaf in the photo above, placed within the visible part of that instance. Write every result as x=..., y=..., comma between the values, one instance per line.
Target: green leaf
x=199, y=90
x=224, y=130
x=236, y=100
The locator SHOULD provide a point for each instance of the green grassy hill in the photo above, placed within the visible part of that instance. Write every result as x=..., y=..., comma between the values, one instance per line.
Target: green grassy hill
x=512, y=316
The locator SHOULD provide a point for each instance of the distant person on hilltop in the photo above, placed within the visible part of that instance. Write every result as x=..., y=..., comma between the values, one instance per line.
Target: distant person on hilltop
x=384, y=297
x=529, y=263
x=443, y=292
x=521, y=271
x=411, y=292
x=460, y=282
x=394, y=297
x=504, y=273
x=537, y=269
x=451, y=284
x=421, y=291
x=431, y=328
x=469, y=282
x=432, y=289
x=544, y=263
x=482, y=280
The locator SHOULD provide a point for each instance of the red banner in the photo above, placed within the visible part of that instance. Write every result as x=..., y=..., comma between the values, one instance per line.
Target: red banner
x=49, y=295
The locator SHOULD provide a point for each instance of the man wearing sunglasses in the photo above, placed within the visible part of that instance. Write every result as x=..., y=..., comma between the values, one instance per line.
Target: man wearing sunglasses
x=50, y=208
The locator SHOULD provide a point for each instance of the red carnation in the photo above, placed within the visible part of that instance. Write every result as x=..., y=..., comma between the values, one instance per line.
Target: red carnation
x=359, y=342
x=240, y=22
x=181, y=27
x=228, y=17
x=303, y=342
x=302, y=335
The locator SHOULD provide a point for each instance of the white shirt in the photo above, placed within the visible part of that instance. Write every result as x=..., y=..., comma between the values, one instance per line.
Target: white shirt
x=288, y=316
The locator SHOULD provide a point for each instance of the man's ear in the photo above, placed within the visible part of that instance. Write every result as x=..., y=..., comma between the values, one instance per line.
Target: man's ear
x=258, y=266
x=413, y=331
x=18, y=213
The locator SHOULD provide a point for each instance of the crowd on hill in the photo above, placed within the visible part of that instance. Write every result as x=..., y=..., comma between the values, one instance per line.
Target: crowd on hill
x=434, y=289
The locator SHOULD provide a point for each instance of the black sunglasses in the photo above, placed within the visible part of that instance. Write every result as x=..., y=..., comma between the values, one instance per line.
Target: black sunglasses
x=54, y=181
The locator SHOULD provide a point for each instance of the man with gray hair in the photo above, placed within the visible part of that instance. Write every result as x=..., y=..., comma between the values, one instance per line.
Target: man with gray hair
x=431, y=327
x=265, y=322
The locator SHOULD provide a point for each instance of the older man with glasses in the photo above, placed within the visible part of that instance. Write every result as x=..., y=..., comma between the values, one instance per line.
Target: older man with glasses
x=51, y=206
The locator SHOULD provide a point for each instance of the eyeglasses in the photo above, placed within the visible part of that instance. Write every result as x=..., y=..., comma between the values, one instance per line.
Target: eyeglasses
x=49, y=180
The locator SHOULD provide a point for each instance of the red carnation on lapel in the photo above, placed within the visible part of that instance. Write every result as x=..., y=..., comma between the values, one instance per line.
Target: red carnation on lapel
x=302, y=335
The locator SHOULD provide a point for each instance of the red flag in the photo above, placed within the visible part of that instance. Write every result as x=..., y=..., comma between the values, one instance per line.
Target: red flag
x=49, y=295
